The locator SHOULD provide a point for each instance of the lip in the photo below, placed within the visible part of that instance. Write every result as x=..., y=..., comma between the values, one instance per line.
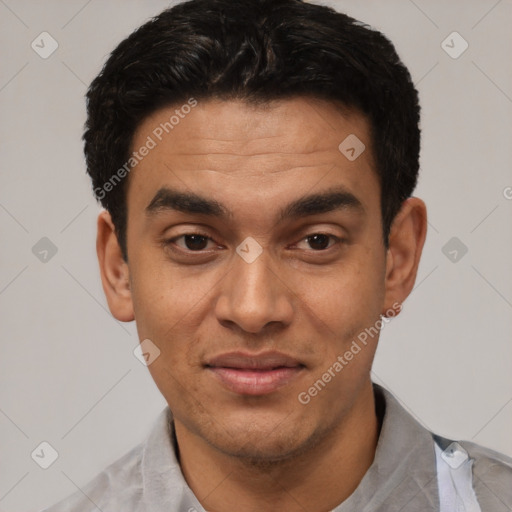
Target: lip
x=254, y=374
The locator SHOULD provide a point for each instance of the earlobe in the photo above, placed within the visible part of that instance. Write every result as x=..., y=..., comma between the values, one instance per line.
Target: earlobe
x=406, y=240
x=114, y=270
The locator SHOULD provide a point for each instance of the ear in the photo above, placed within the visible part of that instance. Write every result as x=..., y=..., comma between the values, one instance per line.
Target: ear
x=114, y=270
x=406, y=240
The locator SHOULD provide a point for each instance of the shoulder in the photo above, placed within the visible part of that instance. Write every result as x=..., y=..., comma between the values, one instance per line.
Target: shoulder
x=118, y=487
x=491, y=473
x=148, y=477
x=487, y=458
x=492, y=476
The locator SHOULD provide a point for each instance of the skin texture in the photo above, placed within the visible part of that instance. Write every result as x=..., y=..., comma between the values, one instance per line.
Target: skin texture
x=267, y=452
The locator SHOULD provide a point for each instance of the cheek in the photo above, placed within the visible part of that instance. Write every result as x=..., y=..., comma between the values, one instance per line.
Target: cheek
x=351, y=302
x=160, y=303
x=161, y=296
x=169, y=309
x=355, y=288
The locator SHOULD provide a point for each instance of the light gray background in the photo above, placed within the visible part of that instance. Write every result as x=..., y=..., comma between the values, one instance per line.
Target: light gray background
x=68, y=373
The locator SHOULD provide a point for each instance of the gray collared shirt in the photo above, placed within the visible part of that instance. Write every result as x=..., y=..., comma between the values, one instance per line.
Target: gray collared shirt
x=413, y=471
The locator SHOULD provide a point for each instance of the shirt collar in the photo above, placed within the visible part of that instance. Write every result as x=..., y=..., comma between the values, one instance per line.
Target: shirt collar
x=163, y=484
x=403, y=473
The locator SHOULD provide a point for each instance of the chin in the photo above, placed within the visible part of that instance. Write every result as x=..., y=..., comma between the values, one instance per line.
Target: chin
x=264, y=443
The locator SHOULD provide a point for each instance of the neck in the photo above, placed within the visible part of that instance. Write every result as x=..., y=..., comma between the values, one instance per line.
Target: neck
x=320, y=478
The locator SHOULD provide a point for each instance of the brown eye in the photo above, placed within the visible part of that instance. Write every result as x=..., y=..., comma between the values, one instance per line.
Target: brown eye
x=195, y=242
x=318, y=241
x=191, y=242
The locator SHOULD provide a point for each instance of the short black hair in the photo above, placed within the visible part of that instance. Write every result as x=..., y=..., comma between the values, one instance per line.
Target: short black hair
x=257, y=51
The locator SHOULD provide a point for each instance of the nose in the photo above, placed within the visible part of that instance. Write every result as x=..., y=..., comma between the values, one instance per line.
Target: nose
x=252, y=296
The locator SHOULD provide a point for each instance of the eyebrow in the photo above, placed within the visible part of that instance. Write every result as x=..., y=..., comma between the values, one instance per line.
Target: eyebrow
x=188, y=202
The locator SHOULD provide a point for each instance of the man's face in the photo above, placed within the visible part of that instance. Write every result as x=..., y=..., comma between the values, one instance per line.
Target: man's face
x=243, y=333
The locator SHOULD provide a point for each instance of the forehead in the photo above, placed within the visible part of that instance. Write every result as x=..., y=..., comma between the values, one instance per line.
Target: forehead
x=298, y=125
x=272, y=152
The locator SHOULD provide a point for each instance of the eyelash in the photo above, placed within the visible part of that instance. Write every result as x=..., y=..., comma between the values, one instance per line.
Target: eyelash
x=171, y=241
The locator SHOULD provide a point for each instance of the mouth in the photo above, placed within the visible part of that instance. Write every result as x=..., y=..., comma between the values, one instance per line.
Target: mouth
x=254, y=374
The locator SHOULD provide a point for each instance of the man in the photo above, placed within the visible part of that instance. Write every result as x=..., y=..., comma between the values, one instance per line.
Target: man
x=256, y=161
